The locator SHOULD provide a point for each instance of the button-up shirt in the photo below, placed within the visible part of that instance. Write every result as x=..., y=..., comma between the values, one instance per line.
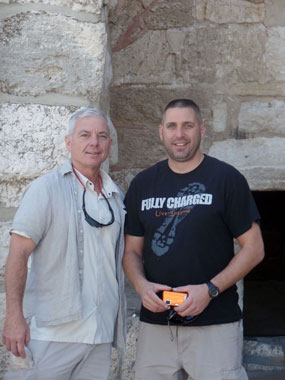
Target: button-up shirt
x=99, y=264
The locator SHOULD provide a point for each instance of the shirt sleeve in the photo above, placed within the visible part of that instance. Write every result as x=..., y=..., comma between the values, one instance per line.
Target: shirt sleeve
x=240, y=208
x=33, y=216
x=133, y=225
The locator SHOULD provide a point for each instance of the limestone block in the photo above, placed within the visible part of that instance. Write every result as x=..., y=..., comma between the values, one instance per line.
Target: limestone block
x=147, y=60
x=123, y=177
x=32, y=140
x=175, y=39
x=137, y=146
x=220, y=55
x=274, y=56
x=220, y=117
x=124, y=15
x=237, y=65
x=271, y=88
x=262, y=117
x=202, y=53
x=274, y=13
x=11, y=192
x=139, y=105
x=229, y=11
x=260, y=159
x=77, y=5
x=170, y=14
x=42, y=53
x=240, y=66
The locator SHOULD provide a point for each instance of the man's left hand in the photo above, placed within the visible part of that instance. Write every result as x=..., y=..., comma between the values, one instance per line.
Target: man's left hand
x=196, y=302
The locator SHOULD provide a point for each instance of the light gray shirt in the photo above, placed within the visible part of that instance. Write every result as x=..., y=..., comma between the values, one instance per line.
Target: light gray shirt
x=51, y=214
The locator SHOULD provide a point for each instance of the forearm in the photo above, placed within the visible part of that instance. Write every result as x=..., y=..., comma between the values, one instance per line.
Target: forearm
x=15, y=281
x=250, y=254
x=16, y=272
x=133, y=267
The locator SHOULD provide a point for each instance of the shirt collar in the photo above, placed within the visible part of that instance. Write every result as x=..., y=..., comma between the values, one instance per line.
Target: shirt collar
x=108, y=185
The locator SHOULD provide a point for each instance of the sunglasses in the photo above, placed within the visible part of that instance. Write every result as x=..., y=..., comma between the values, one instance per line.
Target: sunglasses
x=92, y=222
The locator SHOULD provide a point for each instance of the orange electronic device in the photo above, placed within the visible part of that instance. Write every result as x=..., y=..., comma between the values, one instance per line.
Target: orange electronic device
x=173, y=298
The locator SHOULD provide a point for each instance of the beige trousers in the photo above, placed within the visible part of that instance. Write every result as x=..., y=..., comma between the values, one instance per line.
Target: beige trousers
x=196, y=353
x=63, y=361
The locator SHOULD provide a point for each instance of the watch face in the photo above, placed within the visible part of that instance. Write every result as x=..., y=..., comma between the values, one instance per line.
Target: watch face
x=213, y=290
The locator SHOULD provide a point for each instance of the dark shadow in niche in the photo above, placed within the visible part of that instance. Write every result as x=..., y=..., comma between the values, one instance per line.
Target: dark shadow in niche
x=264, y=287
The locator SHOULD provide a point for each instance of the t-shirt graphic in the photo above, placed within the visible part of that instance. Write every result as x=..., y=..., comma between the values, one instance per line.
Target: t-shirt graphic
x=185, y=200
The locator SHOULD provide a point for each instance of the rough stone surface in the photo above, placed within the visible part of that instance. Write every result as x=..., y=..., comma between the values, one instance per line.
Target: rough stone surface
x=147, y=60
x=32, y=140
x=260, y=159
x=274, y=13
x=220, y=117
x=229, y=11
x=77, y=5
x=142, y=145
x=274, y=57
x=124, y=176
x=220, y=55
x=170, y=14
x=197, y=55
x=35, y=61
x=130, y=20
x=11, y=192
x=267, y=118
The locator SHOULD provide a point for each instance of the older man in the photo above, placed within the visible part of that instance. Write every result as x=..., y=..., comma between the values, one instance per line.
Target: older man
x=63, y=321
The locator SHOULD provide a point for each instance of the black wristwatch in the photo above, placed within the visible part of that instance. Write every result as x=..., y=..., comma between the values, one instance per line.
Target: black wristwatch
x=213, y=290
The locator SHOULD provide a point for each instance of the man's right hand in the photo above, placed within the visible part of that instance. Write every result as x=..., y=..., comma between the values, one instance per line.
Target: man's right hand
x=150, y=300
x=16, y=335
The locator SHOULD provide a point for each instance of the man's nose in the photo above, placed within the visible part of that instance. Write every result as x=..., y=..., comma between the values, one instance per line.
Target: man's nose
x=179, y=131
x=94, y=140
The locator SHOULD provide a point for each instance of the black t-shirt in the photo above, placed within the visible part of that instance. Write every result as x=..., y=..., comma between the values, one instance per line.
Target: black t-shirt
x=188, y=222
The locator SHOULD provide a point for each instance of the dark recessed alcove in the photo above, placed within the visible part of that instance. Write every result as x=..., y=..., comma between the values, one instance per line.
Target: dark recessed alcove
x=264, y=287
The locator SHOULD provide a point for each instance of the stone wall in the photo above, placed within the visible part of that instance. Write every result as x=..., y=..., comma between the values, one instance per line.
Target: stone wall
x=227, y=55
x=55, y=58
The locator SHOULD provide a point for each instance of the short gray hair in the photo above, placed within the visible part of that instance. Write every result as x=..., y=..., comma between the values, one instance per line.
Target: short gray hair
x=84, y=112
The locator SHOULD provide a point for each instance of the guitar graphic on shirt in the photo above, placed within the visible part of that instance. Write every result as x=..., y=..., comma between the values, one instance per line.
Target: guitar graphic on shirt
x=163, y=238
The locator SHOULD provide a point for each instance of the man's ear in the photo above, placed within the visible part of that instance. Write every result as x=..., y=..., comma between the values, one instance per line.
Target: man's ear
x=160, y=131
x=68, y=143
x=203, y=130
